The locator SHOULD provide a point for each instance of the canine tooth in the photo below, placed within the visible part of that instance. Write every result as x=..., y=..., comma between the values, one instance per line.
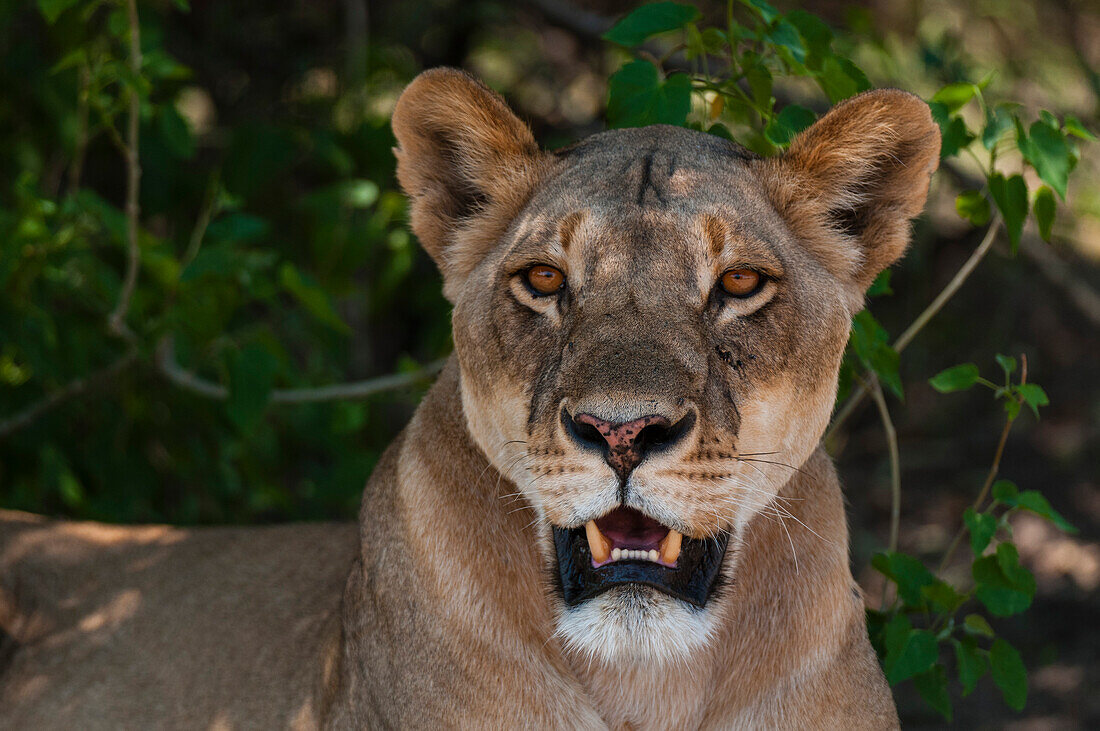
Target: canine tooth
x=599, y=545
x=670, y=547
x=616, y=554
x=652, y=554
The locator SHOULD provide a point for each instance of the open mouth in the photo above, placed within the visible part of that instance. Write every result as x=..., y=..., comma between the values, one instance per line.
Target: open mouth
x=627, y=547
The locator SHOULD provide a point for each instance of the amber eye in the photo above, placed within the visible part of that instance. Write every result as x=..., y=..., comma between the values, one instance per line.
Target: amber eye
x=545, y=279
x=740, y=282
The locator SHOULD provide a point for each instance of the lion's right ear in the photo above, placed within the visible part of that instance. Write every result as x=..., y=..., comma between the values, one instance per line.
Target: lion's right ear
x=468, y=165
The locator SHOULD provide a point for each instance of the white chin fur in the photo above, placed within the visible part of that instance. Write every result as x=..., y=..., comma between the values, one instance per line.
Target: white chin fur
x=635, y=624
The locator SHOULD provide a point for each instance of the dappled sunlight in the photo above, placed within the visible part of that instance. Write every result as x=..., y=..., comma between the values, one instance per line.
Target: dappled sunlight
x=1055, y=556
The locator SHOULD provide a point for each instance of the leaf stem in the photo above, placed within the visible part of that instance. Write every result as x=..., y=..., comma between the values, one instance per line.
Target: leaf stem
x=990, y=476
x=922, y=319
x=895, y=469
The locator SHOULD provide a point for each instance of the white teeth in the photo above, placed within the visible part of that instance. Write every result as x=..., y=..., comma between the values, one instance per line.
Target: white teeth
x=633, y=554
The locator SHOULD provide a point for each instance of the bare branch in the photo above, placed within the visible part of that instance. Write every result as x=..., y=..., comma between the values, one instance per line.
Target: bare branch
x=116, y=323
x=80, y=149
x=895, y=460
x=72, y=389
x=166, y=362
x=922, y=319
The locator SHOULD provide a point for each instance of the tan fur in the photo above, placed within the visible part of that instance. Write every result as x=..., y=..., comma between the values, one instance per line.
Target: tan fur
x=450, y=615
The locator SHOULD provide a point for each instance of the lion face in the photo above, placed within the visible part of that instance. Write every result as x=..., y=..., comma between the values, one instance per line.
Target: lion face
x=649, y=327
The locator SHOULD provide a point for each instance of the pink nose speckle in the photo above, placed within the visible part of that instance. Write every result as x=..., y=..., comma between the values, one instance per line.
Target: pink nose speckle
x=625, y=450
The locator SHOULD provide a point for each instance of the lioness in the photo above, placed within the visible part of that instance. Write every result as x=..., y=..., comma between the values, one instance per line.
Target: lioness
x=611, y=510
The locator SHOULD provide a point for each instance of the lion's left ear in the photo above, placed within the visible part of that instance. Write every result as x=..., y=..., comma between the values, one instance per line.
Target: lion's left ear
x=468, y=165
x=849, y=185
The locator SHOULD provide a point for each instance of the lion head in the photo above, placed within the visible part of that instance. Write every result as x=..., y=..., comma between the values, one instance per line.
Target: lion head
x=649, y=326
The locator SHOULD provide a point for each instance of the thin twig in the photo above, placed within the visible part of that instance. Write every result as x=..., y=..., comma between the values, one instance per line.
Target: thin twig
x=209, y=207
x=165, y=358
x=116, y=323
x=895, y=460
x=922, y=319
x=990, y=476
x=70, y=390
x=76, y=167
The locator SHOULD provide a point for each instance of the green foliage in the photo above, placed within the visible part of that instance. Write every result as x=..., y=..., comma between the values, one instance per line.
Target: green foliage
x=260, y=241
x=999, y=583
x=650, y=20
x=640, y=97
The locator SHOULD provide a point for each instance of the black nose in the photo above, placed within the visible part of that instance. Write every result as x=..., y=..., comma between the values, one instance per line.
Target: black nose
x=625, y=444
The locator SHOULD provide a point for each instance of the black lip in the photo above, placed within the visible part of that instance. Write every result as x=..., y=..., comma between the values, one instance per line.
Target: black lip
x=693, y=580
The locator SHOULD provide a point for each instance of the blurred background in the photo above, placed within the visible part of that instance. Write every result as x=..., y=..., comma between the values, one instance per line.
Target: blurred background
x=275, y=255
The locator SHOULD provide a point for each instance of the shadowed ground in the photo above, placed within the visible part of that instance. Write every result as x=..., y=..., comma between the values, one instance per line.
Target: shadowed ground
x=94, y=620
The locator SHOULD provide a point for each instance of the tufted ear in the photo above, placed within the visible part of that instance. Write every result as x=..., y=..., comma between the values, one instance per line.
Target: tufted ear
x=849, y=185
x=467, y=163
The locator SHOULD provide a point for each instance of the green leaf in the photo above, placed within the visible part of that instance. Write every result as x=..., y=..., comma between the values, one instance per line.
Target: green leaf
x=310, y=295
x=943, y=596
x=649, y=20
x=251, y=378
x=238, y=228
x=762, y=8
x=760, y=84
x=1005, y=491
x=976, y=624
x=1048, y=152
x=1007, y=363
x=973, y=206
x=1009, y=673
x=1074, y=127
x=175, y=132
x=839, y=78
x=785, y=35
x=908, y=573
x=1044, y=208
x=817, y=36
x=788, y=123
x=1010, y=195
x=955, y=96
x=955, y=378
x=970, y=662
x=997, y=122
x=908, y=651
x=870, y=343
x=982, y=527
x=1003, y=586
x=52, y=9
x=1034, y=502
x=932, y=686
x=1034, y=396
x=881, y=285
x=637, y=97
x=953, y=131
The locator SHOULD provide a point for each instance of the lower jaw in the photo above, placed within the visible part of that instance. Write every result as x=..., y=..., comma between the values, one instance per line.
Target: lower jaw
x=692, y=580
